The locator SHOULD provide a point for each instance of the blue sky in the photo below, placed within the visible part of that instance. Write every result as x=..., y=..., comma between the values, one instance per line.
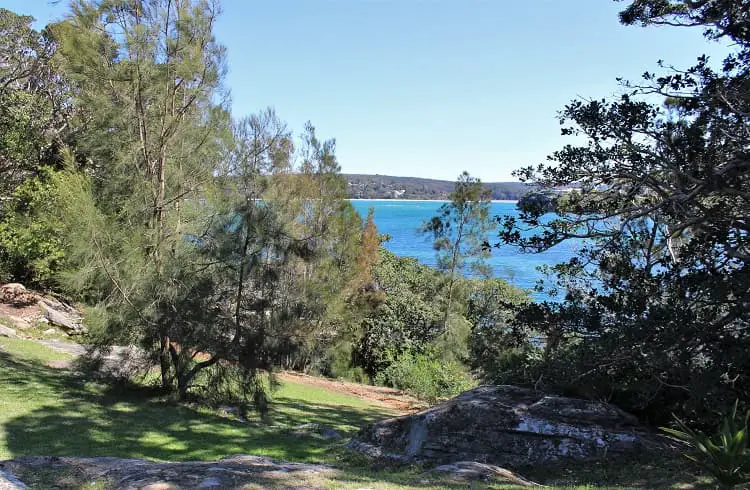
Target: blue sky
x=430, y=88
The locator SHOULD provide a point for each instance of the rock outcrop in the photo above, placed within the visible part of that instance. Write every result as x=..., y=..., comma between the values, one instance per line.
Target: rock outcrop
x=467, y=471
x=10, y=482
x=16, y=294
x=506, y=426
x=23, y=308
x=136, y=474
x=62, y=315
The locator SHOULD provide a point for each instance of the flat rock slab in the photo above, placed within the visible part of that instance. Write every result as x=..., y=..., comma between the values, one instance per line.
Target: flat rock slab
x=62, y=315
x=10, y=482
x=138, y=474
x=466, y=471
x=507, y=426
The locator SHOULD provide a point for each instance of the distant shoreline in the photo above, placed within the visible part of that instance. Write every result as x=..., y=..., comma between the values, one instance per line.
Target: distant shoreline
x=363, y=186
x=511, y=201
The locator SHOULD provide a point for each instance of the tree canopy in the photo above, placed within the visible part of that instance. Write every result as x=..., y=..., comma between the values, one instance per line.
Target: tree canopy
x=655, y=310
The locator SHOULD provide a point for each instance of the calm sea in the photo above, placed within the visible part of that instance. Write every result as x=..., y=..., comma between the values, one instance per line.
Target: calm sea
x=402, y=218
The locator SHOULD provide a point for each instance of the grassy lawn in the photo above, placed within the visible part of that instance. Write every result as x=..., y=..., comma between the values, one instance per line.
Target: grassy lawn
x=46, y=411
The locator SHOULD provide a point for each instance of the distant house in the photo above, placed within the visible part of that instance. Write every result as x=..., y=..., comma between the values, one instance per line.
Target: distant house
x=562, y=189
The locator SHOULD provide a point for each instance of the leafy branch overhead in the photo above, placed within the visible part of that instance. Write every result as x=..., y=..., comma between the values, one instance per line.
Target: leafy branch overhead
x=656, y=198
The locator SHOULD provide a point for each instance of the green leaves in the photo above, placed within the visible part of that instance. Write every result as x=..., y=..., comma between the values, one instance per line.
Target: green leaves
x=725, y=455
x=654, y=193
x=426, y=376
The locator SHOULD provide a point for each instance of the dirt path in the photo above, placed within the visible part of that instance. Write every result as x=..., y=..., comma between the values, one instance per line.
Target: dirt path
x=393, y=399
x=388, y=397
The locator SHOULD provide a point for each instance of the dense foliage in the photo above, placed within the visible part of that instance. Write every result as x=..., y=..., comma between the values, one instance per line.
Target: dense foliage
x=223, y=248
x=655, y=309
x=407, y=312
x=426, y=375
x=34, y=103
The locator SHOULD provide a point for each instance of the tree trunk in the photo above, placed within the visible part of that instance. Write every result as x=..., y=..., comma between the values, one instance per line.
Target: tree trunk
x=185, y=377
x=454, y=262
x=164, y=346
x=159, y=225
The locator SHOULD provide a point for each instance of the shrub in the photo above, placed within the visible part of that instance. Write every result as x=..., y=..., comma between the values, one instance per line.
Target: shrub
x=339, y=364
x=30, y=248
x=426, y=376
x=724, y=455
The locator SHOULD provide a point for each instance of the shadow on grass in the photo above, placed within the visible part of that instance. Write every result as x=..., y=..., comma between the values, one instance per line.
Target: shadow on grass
x=51, y=412
x=347, y=420
x=59, y=414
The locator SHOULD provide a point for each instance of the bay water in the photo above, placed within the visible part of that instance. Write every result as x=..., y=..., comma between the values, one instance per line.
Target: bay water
x=401, y=219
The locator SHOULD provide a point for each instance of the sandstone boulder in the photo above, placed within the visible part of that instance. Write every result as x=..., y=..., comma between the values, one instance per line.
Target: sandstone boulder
x=16, y=294
x=19, y=322
x=506, y=426
x=312, y=428
x=467, y=471
x=63, y=316
x=241, y=471
x=10, y=482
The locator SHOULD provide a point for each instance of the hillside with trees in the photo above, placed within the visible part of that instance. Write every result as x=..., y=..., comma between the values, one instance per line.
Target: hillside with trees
x=363, y=186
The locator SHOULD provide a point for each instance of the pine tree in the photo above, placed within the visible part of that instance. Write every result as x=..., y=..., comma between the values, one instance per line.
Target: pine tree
x=146, y=75
x=370, y=251
x=460, y=231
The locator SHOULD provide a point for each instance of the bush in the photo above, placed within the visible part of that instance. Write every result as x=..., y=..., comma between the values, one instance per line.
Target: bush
x=30, y=248
x=426, y=376
x=339, y=364
x=725, y=455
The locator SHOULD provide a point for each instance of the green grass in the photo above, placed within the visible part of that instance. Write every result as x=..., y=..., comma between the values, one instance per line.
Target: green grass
x=30, y=351
x=46, y=411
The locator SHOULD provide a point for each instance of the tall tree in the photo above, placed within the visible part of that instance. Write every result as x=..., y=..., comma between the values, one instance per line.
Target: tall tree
x=313, y=198
x=460, y=231
x=233, y=297
x=370, y=245
x=149, y=74
x=660, y=290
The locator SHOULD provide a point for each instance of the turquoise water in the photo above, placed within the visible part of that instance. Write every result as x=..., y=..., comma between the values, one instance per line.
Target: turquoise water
x=401, y=219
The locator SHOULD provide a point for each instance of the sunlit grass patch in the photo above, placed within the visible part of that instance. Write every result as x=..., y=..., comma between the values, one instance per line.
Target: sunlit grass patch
x=54, y=412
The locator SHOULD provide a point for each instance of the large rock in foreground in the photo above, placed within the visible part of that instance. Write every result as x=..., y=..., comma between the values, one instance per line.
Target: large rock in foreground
x=507, y=426
x=135, y=474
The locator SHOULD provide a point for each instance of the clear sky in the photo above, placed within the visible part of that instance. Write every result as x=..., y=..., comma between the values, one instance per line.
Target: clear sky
x=430, y=88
